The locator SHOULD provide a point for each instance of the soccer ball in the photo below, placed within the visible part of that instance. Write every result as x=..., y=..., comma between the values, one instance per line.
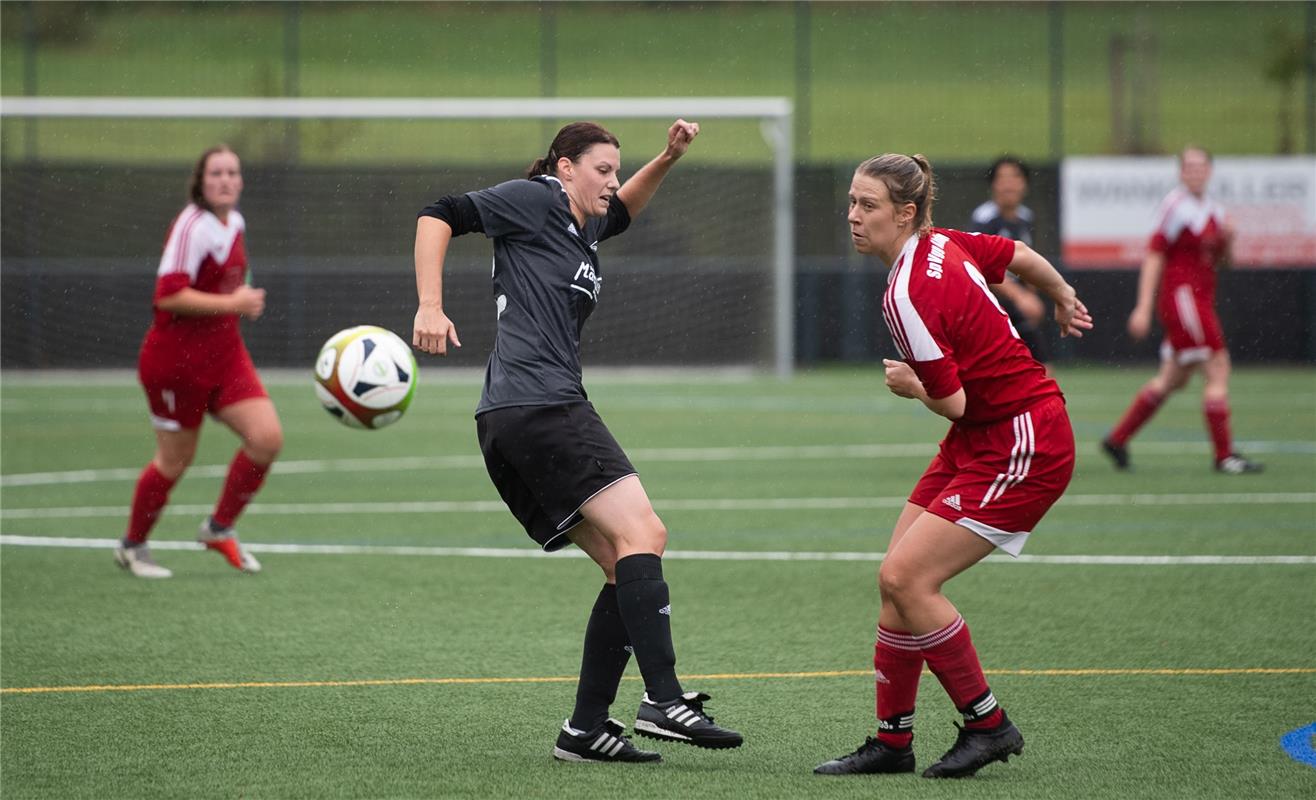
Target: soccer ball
x=365, y=377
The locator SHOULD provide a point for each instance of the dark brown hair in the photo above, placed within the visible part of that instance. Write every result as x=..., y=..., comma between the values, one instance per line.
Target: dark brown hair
x=196, y=183
x=909, y=180
x=571, y=142
x=1012, y=161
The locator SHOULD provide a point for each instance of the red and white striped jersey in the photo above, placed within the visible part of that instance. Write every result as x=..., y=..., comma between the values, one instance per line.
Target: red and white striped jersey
x=1190, y=232
x=950, y=328
x=207, y=255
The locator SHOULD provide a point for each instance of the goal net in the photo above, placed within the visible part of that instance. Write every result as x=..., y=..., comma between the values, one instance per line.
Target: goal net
x=332, y=187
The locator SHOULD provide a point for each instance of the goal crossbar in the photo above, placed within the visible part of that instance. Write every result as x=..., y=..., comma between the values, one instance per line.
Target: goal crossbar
x=395, y=108
x=775, y=113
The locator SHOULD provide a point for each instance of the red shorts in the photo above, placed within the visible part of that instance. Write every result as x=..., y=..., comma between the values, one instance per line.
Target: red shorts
x=181, y=390
x=999, y=479
x=1192, y=329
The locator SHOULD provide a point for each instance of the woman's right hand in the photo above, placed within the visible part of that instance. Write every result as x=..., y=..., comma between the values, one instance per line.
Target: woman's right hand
x=249, y=302
x=1140, y=323
x=433, y=330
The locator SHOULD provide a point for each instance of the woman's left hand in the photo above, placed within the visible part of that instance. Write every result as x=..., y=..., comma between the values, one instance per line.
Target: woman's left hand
x=1073, y=317
x=901, y=379
x=679, y=137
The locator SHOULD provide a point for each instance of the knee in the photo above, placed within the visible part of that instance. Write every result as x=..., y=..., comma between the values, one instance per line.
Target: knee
x=263, y=446
x=899, y=584
x=656, y=533
x=1167, y=384
x=172, y=465
x=893, y=582
x=173, y=462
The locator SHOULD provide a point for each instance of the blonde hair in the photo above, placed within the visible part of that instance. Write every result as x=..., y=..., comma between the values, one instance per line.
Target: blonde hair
x=909, y=180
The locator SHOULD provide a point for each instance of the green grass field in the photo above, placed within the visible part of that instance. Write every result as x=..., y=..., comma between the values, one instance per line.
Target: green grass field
x=953, y=80
x=1170, y=667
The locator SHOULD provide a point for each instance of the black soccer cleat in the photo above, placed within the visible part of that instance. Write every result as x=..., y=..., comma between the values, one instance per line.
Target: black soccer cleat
x=1117, y=453
x=606, y=743
x=975, y=749
x=684, y=720
x=1234, y=464
x=872, y=758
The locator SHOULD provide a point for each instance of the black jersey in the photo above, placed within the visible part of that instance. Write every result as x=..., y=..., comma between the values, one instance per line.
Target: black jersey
x=987, y=219
x=546, y=282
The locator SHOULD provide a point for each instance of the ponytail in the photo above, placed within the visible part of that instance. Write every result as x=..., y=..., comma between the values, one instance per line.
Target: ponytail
x=923, y=216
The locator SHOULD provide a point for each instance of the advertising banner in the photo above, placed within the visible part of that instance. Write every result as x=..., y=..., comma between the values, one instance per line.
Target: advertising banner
x=1108, y=207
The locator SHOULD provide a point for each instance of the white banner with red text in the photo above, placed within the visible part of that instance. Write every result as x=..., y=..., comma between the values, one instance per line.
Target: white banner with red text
x=1108, y=208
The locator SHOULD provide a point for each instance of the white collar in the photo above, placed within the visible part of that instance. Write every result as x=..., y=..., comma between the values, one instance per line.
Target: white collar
x=906, y=252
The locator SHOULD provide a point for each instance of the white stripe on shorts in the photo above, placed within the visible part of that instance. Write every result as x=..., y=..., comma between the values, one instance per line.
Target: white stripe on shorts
x=1021, y=459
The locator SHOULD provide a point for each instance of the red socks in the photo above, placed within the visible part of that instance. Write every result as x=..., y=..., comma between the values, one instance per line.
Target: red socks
x=952, y=658
x=1216, y=412
x=897, y=666
x=149, y=498
x=1142, y=409
x=244, y=479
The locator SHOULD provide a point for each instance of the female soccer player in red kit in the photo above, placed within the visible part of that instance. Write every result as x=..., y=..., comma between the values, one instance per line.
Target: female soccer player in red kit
x=1192, y=239
x=1007, y=458
x=193, y=361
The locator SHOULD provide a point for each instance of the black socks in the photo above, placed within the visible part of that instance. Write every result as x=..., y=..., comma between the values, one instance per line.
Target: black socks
x=645, y=606
x=604, y=661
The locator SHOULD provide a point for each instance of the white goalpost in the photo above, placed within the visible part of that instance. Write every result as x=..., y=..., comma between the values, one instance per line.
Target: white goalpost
x=775, y=115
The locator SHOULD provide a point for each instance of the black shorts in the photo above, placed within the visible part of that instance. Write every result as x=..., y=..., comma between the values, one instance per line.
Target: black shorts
x=547, y=461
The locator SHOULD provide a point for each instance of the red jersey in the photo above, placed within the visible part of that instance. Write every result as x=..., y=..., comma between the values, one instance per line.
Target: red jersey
x=207, y=255
x=1190, y=233
x=950, y=328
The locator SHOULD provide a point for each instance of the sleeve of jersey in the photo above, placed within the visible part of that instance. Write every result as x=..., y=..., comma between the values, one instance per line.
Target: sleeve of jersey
x=617, y=221
x=517, y=208
x=1161, y=237
x=189, y=243
x=991, y=254
x=458, y=211
x=919, y=337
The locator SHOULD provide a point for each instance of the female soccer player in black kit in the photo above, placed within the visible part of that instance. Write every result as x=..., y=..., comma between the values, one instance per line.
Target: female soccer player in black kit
x=557, y=467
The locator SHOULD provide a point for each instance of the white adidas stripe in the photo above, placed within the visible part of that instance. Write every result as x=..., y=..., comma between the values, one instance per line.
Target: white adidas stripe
x=1021, y=459
x=986, y=705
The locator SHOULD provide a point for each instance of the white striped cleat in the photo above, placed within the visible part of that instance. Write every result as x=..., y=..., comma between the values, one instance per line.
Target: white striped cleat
x=137, y=560
x=684, y=720
x=606, y=743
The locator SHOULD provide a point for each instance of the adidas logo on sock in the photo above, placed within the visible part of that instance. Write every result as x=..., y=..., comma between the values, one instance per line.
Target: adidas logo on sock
x=667, y=609
x=953, y=501
x=881, y=678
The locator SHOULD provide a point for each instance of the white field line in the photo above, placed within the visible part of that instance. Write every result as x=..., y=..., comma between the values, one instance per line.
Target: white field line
x=641, y=455
x=684, y=555
x=709, y=504
x=432, y=375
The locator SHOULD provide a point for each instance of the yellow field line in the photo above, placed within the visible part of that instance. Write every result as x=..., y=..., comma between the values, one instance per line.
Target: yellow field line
x=845, y=673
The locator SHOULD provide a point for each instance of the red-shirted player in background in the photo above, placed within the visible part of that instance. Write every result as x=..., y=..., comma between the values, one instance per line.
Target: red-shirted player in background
x=193, y=360
x=1191, y=241
x=1007, y=458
